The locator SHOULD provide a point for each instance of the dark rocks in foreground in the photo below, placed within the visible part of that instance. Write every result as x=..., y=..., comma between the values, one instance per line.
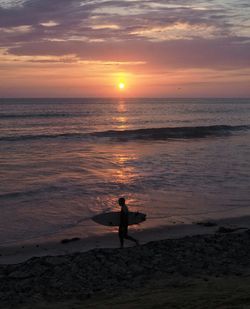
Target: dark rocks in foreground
x=80, y=275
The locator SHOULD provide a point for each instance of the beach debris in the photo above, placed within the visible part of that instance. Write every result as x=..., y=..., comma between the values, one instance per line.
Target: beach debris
x=66, y=240
x=207, y=223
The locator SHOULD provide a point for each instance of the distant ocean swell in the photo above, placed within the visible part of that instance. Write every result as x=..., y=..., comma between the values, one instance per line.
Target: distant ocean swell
x=143, y=134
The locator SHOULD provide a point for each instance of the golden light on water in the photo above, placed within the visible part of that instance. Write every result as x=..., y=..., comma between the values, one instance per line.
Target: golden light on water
x=121, y=119
x=125, y=172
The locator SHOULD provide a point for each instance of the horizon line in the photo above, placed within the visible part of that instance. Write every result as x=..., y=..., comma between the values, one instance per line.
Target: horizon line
x=120, y=98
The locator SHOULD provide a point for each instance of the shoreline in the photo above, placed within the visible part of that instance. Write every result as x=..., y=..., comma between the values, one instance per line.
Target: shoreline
x=78, y=278
x=22, y=252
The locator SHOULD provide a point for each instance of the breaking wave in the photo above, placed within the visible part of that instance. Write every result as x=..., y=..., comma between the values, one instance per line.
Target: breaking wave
x=142, y=134
x=173, y=133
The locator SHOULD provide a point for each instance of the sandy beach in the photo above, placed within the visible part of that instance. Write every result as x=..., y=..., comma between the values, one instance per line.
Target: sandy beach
x=210, y=267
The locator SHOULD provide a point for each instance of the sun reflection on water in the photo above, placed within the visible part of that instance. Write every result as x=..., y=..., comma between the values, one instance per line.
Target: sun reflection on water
x=121, y=119
x=125, y=172
x=121, y=107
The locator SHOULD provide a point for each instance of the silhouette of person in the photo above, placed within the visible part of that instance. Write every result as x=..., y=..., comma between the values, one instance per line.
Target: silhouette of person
x=123, y=227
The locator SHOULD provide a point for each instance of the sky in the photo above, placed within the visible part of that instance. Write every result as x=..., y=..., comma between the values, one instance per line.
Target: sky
x=164, y=48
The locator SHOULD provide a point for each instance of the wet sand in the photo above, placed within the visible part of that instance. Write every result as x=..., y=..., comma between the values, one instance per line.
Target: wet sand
x=22, y=252
x=210, y=270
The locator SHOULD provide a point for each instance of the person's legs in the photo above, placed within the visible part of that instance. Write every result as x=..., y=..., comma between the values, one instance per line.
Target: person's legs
x=131, y=238
x=121, y=240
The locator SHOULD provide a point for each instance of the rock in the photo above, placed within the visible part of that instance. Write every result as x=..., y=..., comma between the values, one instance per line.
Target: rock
x=19, y=275
x=57, y=260
x=78, y=274
x=136, y=270
x=223, y=229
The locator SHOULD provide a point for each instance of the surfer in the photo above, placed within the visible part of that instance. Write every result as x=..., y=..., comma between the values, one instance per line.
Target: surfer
x=123, y=227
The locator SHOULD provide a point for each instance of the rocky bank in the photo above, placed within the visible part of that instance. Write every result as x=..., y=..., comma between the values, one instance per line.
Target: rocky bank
x=82, y=275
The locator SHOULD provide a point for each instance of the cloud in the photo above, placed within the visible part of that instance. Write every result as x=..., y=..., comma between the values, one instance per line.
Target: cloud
x=165, y=34
x=76, y=16
x=11, y=3
x=49, y=23
x=217, y=53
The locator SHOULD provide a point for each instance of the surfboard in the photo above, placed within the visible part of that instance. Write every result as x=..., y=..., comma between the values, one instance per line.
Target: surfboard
x=113, y=218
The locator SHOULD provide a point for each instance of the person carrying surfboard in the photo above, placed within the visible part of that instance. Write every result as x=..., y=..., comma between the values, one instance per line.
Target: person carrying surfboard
x=123, y=227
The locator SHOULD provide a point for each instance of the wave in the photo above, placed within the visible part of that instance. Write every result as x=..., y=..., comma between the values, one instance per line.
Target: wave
x=142, y=134
x=173, y=133
x=41, y=136
x=29, y=193
x=46, y=115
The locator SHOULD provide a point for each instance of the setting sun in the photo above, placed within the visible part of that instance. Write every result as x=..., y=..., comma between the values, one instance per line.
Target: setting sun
x=121, y=86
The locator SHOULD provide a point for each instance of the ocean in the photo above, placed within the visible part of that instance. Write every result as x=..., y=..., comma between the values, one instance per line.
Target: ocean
x=63, y=161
